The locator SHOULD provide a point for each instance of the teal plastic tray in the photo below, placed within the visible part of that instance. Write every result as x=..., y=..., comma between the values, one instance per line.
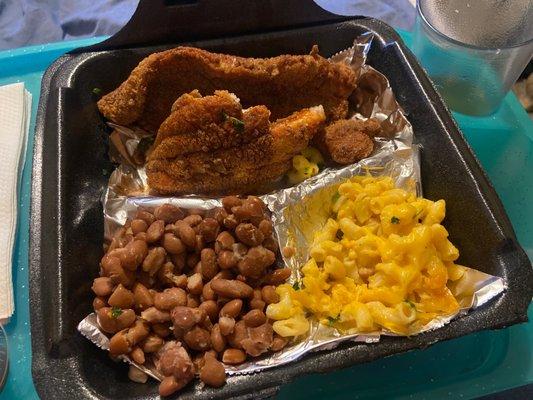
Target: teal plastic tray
x=467, y=367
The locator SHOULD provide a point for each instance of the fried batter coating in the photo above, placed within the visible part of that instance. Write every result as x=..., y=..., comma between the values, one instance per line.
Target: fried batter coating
x=283, y=84
x=240, y=166
x=349, y=140
x=208, y=123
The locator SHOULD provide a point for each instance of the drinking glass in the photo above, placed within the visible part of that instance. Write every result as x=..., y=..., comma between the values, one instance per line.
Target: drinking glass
x=474, y=50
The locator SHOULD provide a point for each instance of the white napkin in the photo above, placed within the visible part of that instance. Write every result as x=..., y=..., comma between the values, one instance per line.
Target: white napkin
x=15, y=109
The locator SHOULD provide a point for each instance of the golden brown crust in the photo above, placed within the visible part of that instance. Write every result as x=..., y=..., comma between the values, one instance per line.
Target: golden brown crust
x=283, y=84
x=230, y=157
x=207, y=124
x=348, y=141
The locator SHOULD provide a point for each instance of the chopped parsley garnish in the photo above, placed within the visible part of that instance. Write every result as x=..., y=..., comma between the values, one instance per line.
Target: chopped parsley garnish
x=97, y=91
x=332, y=320
x=296, y=285
x=411, y=304
x=116, y=312
x=395, y=220
x=335, y=197
x=237, y=123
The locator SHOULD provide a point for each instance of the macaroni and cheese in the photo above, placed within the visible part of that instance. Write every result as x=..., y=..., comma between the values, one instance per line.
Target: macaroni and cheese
x=382, y=261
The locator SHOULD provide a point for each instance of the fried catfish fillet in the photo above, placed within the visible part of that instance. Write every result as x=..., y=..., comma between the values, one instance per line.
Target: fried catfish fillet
x=283, y=84
x=209, y=145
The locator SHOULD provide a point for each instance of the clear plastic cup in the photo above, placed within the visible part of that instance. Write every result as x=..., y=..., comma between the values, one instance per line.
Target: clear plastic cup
x=474, y=50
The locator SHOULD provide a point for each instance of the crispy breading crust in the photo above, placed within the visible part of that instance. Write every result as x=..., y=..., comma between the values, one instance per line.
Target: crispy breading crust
x=348, y=141
x=230, y=165
x=207, y=124
x=283, y=84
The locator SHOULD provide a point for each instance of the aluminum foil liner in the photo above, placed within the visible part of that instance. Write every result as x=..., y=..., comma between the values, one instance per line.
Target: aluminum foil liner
x=296, y=211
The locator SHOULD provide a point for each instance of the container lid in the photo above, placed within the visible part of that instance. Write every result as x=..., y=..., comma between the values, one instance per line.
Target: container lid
x=174, y=21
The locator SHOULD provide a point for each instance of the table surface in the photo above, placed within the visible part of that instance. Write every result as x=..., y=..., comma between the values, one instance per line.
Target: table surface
x=468, y=367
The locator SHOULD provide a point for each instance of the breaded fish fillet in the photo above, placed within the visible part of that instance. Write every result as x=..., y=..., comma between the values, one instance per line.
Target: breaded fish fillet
x=283, y=84
x=208, y=123
x=238, y=152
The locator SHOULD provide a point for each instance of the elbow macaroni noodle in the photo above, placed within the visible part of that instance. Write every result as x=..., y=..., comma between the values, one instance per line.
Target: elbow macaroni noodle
x=382, y=261
x=305, y=165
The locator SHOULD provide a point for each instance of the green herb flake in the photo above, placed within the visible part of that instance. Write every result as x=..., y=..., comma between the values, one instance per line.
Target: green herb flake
x=395, y=220
x=97, y=91
x=116, y=312
x=296, y=285
x=411, y=304
x=335, y=197
x=237, y=123
x=332, y=321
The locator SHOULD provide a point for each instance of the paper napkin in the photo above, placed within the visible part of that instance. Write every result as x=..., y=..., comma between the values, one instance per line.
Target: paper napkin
x=15, y=109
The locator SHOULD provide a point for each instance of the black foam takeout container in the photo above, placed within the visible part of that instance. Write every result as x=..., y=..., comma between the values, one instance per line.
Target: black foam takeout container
x=71, y=169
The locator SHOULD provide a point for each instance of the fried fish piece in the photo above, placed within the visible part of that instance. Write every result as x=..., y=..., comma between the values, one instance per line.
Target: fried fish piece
x=348, y=140
x=208, y=123
x=283, y=84
x=229, y=165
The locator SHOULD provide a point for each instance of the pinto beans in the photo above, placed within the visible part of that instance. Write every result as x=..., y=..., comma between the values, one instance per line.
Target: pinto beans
x=98, y=303
x=176, y=281
x=208, y=293
x=186, y=317
x=254, y=318
x=155, y=231
x=124, y=341
x=133, y=254
x=227, y=259
x=186, y=234
x=278, y=343
x=278, y=276
x=218, y=342
x=168, y=213
x=142, y=297
x=138, y=226
x=146, y=217
x=233, y=356
x=269, y=295
x=255, y=262
x=198, y=339
x=153, y=315
x=121, y=297
x=229, y=202
x=210, y=307
x=231, y=309
x=137, y=355
x=170, y=298
x=212, y=372
x=233, y=289
x=226, y=325
x=249, y=234
x=113, y=320
x=103, y=286
x=208, y=259
x=225, y=241
x=172, y=244
x=209, y=229
x=195, y=284
x=193, y=220
x=152, y=344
